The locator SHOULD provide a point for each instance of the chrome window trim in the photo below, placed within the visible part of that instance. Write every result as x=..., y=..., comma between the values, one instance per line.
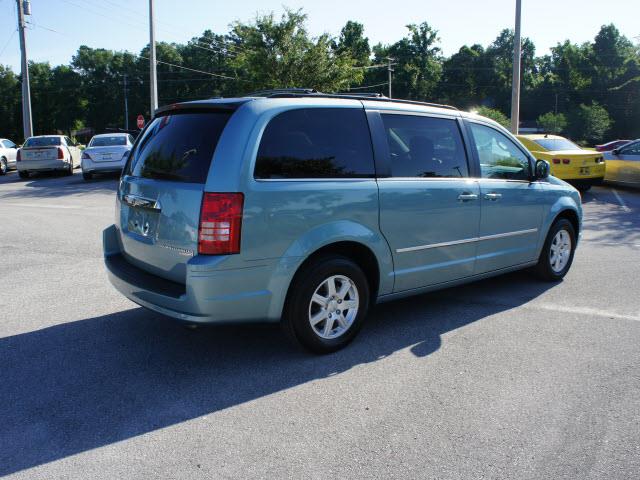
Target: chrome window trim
x=467, y=240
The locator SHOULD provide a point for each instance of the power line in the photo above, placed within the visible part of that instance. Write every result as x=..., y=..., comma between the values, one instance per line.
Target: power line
x=8, y=41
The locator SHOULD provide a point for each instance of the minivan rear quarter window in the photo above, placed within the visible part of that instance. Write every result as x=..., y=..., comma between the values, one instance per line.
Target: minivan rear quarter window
x=316, y=143
x=178, y=147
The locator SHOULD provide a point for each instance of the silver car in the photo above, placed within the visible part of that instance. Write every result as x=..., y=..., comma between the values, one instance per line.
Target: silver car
x=106, y=153
x=623, y=165
x=47, y=153
x=8, y=151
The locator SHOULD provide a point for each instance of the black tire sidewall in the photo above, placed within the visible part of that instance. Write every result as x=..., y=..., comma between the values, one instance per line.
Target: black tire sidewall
x=4, y=166
x=296, y=314
x=545, y=257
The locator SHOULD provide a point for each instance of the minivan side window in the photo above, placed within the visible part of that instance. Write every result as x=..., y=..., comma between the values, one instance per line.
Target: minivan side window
x=499, y=157
x=316, y=143
x=422, y=146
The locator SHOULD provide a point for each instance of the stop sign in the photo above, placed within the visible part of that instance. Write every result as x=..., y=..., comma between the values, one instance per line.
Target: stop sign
x=140, y=121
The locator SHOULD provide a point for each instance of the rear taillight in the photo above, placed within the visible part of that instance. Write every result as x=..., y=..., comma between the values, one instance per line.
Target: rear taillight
x=125, y=155
x=220, y=223
x=600, y=160
x=566, y=161
x=86, y=156
x=60, y=153
x=19, y=156
x=556, y=161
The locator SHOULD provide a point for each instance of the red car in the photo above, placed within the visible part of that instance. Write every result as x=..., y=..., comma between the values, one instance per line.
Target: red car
x=605, y=147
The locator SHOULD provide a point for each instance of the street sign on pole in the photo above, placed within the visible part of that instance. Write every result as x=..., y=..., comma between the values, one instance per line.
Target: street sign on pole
x=140, y=122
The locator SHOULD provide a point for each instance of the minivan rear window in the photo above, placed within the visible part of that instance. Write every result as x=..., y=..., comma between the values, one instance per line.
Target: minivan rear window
x=178, y=147
x=316, y=143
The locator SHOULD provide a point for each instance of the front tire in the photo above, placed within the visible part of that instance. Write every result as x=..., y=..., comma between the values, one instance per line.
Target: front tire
x=3, y=166
x=557, y=254
x=327, y=304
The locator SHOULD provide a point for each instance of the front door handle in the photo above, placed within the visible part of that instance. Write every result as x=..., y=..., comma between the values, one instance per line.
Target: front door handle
x=492, y=196
x=466, y=197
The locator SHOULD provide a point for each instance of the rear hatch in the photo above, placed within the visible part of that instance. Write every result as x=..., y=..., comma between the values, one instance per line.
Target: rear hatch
x=160, y=194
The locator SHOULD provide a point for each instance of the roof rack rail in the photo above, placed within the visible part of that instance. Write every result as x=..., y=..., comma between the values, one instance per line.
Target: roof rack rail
x=310, y=92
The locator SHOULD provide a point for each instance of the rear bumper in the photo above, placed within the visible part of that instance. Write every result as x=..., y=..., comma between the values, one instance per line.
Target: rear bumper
x=42, y=165
x=210, y=293
x=89, y=166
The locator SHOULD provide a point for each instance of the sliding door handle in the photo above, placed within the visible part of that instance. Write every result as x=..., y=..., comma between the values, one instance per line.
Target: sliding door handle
x=466, y=197
x=492, y=196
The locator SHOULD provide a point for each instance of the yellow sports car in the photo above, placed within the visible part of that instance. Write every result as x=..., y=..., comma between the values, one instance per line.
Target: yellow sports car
x=581, y=168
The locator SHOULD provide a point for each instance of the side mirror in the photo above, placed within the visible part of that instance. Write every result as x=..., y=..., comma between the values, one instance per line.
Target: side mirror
x=542, y=169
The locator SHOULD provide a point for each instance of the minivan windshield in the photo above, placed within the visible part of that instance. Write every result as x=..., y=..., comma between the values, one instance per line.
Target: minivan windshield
x=556, y=144
x=42, y=142
x=114, y=141
x=178, y=147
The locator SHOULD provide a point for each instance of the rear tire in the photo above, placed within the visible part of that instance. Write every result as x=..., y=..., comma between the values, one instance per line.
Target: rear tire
x=23, y=174
x=87, y=175
x=326, y=305
x=557, y=253
x=69, y=170
x=3, y=166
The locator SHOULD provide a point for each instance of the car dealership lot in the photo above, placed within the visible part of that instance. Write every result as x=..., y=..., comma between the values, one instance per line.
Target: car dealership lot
x=506, y=378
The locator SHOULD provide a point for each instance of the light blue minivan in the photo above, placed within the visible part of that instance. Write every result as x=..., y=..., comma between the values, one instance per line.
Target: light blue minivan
x=307, y=209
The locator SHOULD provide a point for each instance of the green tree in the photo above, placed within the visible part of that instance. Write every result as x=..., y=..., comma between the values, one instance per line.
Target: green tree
x=279, y=54
x=552, y=122
x=353, y=43
x=11, y=118
x=589, y=123
x=495, y=115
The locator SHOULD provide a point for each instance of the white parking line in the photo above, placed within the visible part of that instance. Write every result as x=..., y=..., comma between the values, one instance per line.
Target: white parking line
x=583, y=311
x=621, y=201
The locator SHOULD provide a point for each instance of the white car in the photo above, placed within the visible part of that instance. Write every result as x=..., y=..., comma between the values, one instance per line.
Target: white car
x=106, y=153
x=8, y=151
x=46, y=153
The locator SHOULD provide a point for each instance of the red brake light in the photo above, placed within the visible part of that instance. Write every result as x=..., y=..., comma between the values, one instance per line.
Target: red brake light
x=220, y=223
x=19, y=155
x=556, y=161
x=566, y=161
x=60, y=153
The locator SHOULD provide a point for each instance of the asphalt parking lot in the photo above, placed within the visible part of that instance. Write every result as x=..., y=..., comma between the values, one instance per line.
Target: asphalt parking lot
x=507, y=378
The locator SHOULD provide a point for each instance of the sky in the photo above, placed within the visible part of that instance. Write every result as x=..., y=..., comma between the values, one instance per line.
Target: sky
x=59, y=27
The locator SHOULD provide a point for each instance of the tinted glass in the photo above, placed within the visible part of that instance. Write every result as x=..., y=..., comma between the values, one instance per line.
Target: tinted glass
x=630, y=149
x=316, y=143
x=9, y=144
x=178, y=147
x=499, y=156
x=557, y=144
x=425, y=147
x=42, y=141
x=108, y=141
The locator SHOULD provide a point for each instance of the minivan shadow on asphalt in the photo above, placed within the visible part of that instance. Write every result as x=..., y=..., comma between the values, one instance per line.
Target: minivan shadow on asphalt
x=54, y=185
x=78, y=386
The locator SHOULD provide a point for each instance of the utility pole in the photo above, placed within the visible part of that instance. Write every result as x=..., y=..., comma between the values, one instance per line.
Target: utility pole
x=515, y=87
x=27, y=123
x=152, y=61
x=126, y=104
x=389, y=70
